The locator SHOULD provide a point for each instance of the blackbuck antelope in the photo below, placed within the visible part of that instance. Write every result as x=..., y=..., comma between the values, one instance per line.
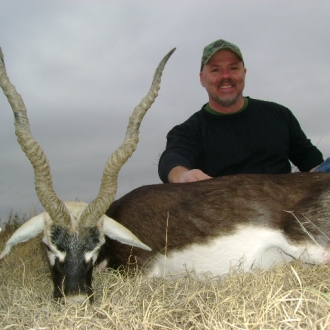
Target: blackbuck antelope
x=236, y=222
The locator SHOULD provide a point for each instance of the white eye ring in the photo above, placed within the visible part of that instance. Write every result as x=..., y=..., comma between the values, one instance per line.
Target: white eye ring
x=92, y=255
x=53, y=252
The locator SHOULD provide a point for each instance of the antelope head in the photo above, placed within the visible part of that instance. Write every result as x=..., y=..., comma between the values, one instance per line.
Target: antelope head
x=73, y=232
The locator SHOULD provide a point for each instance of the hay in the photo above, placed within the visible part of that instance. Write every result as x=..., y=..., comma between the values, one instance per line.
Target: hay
x=292, y=296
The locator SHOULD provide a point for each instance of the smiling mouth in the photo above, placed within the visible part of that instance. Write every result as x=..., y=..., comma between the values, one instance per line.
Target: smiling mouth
x=225, y=86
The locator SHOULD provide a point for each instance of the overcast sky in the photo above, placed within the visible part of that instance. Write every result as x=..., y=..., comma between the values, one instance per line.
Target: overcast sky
x=82, y=66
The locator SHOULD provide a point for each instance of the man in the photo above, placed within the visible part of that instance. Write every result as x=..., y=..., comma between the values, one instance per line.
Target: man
x=234, y=134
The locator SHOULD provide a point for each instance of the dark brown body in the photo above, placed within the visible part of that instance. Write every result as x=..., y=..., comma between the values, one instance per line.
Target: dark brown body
x=174, y=216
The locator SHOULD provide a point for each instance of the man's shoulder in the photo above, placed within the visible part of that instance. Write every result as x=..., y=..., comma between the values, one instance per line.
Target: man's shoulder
x=268, y=107
x=265, y=104
x=196, y=122
x=196, y=117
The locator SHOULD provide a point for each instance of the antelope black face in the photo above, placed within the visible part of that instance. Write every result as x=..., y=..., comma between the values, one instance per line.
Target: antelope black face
x=72, y=257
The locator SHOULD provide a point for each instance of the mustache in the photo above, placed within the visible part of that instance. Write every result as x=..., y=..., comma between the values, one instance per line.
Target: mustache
x=225, y=81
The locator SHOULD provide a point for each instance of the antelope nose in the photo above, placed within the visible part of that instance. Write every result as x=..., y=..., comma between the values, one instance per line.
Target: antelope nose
x=78, y=299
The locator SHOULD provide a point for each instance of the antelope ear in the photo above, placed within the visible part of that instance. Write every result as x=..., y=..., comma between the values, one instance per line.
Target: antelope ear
x=118, y=232
x=28, y=230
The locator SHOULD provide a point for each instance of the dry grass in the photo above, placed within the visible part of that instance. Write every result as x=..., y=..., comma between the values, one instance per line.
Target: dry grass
x=294, y=296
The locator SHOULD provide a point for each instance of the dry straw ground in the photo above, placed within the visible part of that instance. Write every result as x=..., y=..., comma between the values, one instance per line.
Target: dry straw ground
x=294, y=296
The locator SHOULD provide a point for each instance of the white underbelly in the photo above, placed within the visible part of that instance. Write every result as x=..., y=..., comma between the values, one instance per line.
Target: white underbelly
x=247, y=248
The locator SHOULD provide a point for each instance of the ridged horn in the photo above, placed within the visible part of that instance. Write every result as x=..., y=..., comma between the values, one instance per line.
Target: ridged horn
x=108, y=189
x=43, y=181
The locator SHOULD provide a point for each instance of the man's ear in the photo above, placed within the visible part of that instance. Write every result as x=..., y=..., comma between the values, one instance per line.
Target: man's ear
x=201, y=78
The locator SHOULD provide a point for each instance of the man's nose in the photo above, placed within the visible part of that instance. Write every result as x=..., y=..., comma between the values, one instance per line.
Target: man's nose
x=225, y=73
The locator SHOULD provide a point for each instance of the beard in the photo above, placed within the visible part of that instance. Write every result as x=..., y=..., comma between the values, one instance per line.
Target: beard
x=227, y=100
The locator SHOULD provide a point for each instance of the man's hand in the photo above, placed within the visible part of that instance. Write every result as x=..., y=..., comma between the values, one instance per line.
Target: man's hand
x=182, y=174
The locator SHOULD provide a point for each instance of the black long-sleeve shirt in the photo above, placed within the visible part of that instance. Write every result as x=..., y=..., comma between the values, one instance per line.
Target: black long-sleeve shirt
x=262, y=138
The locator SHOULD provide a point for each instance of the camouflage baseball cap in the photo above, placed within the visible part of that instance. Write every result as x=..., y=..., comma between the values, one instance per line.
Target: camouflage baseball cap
x=217, y=45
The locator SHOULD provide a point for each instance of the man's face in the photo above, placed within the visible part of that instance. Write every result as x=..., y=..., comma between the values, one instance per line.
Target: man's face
x=224, y=79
